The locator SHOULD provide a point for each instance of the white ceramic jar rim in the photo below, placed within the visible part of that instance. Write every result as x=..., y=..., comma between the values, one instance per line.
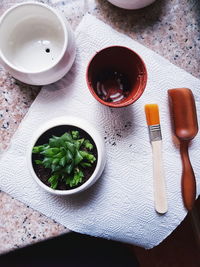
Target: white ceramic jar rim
x=60, y=19
x=88, y=128
x=131, y=4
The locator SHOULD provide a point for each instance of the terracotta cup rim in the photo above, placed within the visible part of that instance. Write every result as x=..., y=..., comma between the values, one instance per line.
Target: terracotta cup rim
x=139, y=91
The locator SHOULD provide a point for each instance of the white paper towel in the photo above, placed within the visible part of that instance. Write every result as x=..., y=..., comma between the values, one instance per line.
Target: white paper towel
x=120, y=205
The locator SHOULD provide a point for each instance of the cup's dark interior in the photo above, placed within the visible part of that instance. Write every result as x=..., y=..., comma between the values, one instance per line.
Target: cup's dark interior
x=122, y=60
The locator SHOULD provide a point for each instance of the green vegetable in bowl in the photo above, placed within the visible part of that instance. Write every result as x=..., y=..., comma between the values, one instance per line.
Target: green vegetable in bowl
x=66, y=156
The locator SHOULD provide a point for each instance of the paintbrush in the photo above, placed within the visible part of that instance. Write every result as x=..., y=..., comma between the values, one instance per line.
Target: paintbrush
x=153, y=121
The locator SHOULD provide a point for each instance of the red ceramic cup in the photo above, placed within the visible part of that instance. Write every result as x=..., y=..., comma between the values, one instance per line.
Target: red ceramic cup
x=116, y=76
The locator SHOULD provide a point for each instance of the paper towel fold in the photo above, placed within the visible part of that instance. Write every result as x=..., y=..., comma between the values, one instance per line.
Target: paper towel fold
x=120, y=205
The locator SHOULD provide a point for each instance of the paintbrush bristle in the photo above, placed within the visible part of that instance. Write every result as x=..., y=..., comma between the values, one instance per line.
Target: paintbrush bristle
x=152, y=114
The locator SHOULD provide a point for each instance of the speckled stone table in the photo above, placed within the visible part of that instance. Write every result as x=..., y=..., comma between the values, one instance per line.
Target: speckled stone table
x=169, y=27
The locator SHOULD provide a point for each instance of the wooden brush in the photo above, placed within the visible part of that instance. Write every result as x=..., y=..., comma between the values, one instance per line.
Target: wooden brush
x=153, y=121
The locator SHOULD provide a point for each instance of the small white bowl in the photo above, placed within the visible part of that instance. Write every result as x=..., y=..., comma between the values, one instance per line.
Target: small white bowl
x=87, y=127
x=37, y=45
x=131, y=4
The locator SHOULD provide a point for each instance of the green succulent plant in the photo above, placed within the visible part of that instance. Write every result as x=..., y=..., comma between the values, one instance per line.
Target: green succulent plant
x=66, y=156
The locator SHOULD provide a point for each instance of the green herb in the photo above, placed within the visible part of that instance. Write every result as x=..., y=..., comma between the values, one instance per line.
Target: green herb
x=66, y=156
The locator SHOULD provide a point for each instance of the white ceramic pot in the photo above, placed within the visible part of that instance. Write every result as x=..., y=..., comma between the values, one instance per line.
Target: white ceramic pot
x=87, y=127
x=37, y=45
x=131, y=4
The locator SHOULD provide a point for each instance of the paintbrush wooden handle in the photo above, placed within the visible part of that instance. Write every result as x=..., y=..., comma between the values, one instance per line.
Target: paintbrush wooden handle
x=159, y=180
x=188, y=178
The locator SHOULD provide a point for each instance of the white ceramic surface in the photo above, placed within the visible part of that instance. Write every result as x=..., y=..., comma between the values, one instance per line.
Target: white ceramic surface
x=87, y=127
x=36, y=43
x=131, y=4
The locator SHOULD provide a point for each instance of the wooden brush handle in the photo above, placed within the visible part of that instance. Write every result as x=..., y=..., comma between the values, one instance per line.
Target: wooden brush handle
x=188, y=178
x=159, y=181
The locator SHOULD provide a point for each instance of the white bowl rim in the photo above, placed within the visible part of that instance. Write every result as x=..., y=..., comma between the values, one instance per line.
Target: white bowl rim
x=87, y=127
x=55, y=12
x=130, y=5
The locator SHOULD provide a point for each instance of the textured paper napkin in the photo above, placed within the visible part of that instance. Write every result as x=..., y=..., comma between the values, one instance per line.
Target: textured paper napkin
x=120, y=205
